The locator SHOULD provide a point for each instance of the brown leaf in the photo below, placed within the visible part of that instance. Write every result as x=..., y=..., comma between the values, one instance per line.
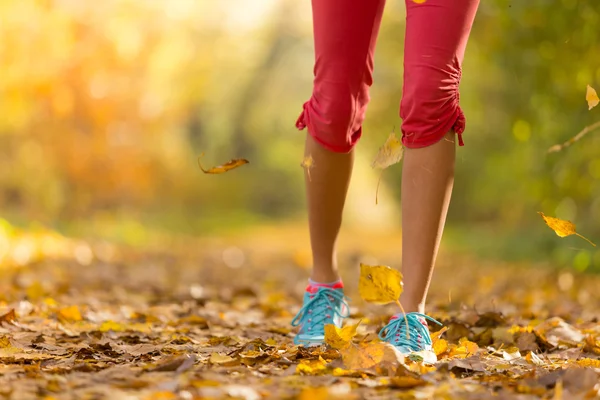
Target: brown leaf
x=235, y=163
x=9, y=317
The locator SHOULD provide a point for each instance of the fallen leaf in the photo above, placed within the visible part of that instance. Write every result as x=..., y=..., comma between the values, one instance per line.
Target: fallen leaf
x=367, y=355
x=390, y=153
x=406, y=382
x=591, y=97
x=8, y=317
x=220, y=359
x=314, y=393
x=340, y=338
x=563, y=228
x=308, y=163
x=379, y=284
x=440, y=347
x=312, y=367
x=235, y=163
x=71, y=314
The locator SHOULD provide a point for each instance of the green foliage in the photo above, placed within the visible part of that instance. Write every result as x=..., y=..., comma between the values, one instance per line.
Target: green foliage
x=107, y=106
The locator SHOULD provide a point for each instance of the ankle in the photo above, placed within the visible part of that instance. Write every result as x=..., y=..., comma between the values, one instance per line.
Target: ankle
x=325, y=277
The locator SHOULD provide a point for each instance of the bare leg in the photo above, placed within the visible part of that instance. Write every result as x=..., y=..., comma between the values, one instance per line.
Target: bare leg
x=326, y=194
x=427, y=179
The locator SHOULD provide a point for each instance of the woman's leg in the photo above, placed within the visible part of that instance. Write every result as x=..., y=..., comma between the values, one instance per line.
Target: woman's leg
x=345, y=34
x=436, y=37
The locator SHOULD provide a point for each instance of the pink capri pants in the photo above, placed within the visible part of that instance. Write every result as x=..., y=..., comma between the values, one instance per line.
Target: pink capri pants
x=345, y=34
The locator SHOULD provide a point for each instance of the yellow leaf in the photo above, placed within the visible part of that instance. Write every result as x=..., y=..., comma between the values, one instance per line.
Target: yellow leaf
x=312, y=367
x=406, y=382
x=4, y=342
x=314, y=393
x=367, y=355
x=111, y=326
x=379, y=284
x=563, y=228
x=464, y=349
x=307, y=164
x=71, y=313
x=592, y=97
x=216, y=358
x=440, y=347
x=340, y=338
x=589, y=362
x=237, y=162
x=35, y=291
x=388, y=154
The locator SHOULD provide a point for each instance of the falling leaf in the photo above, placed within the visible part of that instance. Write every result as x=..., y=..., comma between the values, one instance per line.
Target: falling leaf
x=237, y=162
x=8, y=317
x=390, y=153
x=308, y=163
x=591, y=97
x=340, y=338
x=71, y=314
x=563, y=228
x=379, y=284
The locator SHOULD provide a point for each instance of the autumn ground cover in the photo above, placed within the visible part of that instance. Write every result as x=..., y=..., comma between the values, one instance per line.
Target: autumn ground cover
x=209, y=318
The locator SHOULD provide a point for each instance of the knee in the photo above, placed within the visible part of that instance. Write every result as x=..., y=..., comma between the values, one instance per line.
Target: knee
x=334, y=115
x=430, y=105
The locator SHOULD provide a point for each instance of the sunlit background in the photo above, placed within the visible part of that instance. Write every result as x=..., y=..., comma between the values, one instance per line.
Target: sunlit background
x=105, y=107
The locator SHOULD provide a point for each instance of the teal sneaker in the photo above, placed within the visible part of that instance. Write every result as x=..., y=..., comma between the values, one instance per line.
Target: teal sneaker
x=417, y=342
x=322, y=305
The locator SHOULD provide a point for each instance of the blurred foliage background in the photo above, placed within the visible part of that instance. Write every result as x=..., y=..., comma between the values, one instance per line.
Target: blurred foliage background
x=105, y=106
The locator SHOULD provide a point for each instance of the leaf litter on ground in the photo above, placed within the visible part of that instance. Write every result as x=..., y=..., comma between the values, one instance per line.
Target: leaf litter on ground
x=169, y=322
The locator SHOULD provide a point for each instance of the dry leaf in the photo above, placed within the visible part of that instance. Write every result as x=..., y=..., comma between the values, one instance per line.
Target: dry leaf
x=406, y=382
x=314, y=393
x=440, y=347
x=216, y=358
x=388, y=154
x=563, y=228
x=312, y=367
x=8, y=317
x=237, y=162
x=379, y=284
x=307, y=164
x=71, y=314
x=592, y=97
x=367, y=355
x=340, y=338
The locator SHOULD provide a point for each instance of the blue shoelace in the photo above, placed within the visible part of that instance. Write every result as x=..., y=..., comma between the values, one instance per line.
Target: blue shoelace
x=320, y=310
x=418, y=339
